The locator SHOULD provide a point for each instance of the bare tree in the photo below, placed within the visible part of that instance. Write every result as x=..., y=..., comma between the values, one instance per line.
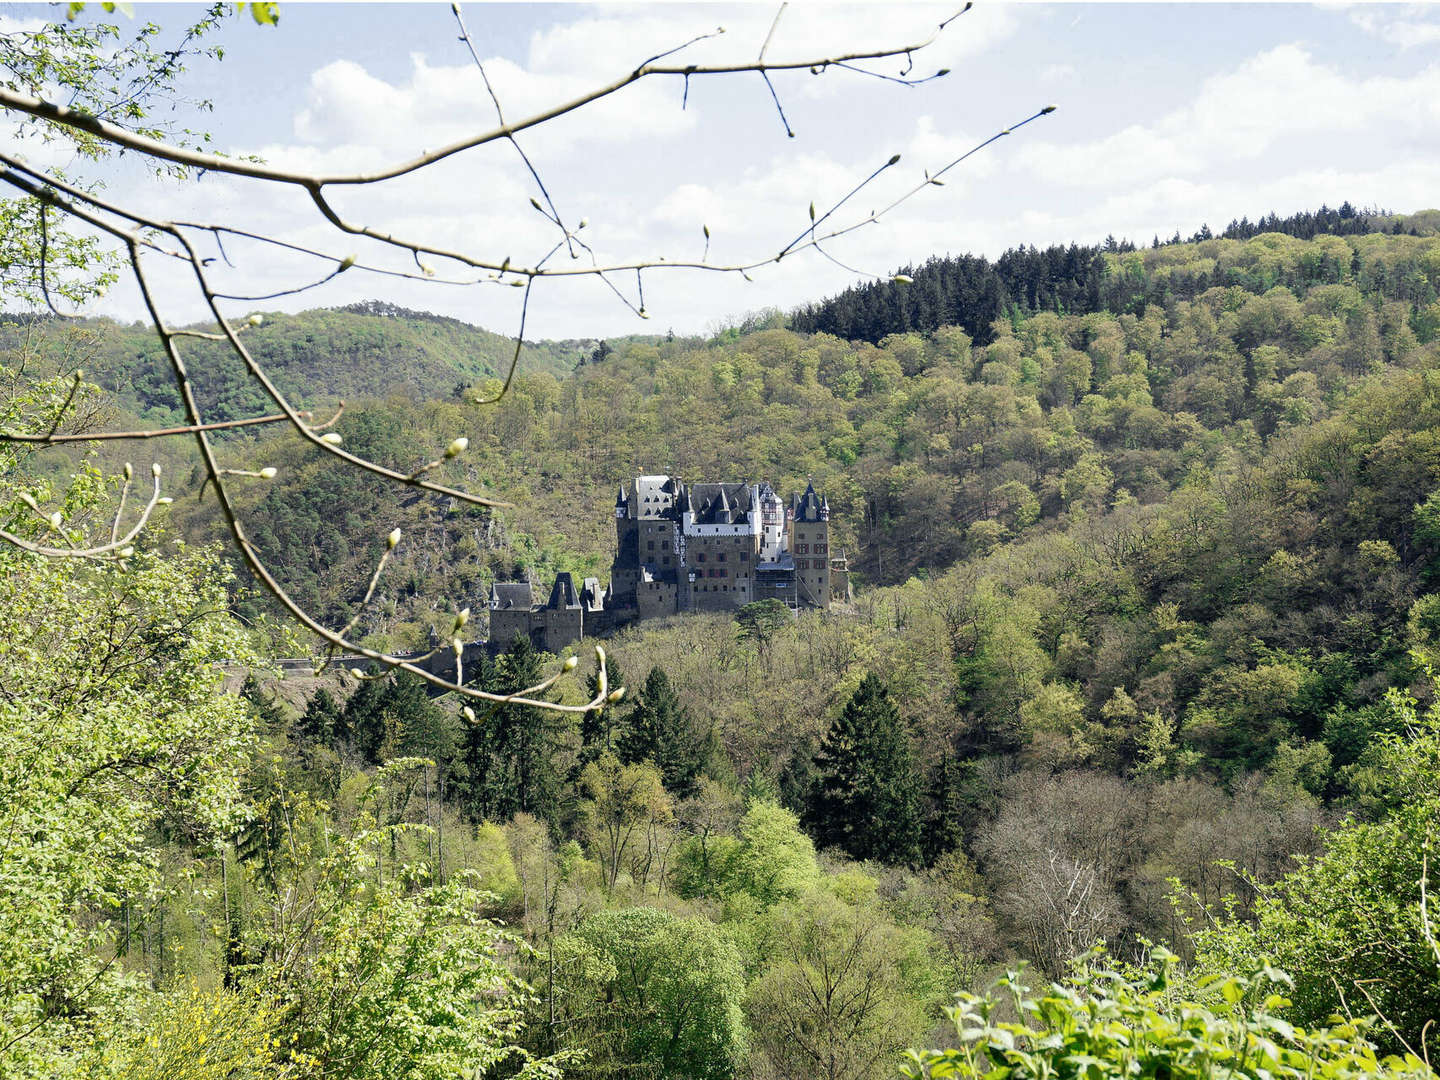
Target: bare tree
x=144, y=240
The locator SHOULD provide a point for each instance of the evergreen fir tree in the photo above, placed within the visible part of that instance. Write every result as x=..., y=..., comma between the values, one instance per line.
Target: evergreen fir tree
x=321, y=720
x=267, y=710
x=362, y=721
x=508, y=754
x=866, y=799
x=599, y=728
x=946, y=809
x=658, y=729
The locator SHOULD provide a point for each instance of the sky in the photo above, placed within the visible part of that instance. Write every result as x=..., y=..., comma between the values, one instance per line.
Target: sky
x=1168, y=116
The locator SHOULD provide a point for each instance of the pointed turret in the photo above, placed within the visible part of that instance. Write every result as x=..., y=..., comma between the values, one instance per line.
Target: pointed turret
x=620, y=497
x=722, y=509
x=808, y=508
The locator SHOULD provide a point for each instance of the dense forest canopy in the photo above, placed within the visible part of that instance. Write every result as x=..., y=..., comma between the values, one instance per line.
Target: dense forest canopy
x=1137, y=691
x=971, y=292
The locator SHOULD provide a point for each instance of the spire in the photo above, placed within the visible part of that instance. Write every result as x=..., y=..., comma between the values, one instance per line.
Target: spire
x=620, y=497
x=809, y=508
x=722, y=510
x=687, y=504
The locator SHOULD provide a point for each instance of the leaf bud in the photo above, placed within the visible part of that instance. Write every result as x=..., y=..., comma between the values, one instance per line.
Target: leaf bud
x=600, y=653
x=462, y=618
x=1047, y=110
x=346, y=263
x=427, y=269
x=268, y=473
x=126, y=551
x=165, y=500
x=571, y=663
x=902, y=279
x=615, y=695
x=458, y=646
x=468, y=713
x=255, y=320
x=129, y=470
x=332, y=437
x=583, y=223
x=392, y=539
x=892, y=161
x=155, y=469
x=357, y=673
x=55, y=520
x=457, y=447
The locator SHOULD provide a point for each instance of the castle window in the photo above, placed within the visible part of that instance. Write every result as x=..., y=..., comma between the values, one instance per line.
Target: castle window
x=744, y=556
x=819, y=549
x=700, y=557
x=651, y=545
x=801, y=549
x=721, y=557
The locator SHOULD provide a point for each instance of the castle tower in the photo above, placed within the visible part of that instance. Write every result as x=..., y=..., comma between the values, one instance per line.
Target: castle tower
x=625, y=570
x=772, y=524
x=810, y=546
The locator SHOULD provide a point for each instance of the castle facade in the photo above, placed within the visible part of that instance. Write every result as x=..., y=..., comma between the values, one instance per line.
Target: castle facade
x=687, y=547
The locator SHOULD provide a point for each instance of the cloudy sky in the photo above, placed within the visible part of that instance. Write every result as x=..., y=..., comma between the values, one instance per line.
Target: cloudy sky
x=1169, y=116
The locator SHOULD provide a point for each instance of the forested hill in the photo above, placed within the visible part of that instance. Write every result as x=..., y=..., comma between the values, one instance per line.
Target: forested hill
x=367, y=350
x=932, y=450
x=971, y=292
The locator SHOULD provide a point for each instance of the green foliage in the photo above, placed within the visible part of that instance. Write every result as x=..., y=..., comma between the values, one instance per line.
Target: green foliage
x=771, y=861
x=1101, y=1022
x=400, y=978
x=622, y=802
x=866, y=797
x=653, y=993
x=843, y=993
x=506, y=758
x=1350, y=924
x=192, y=1034
x=659, y=729
x=113, y=733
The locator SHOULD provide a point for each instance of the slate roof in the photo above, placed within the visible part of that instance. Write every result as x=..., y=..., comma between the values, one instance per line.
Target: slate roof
x=511, y=594
x=712, y=500
x=810, y=507
x=562, y=593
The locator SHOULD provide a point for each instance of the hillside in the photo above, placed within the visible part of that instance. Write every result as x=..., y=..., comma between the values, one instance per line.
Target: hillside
x=932, y=449
x=971, y=292
x=367, y=350
x=1146, y=611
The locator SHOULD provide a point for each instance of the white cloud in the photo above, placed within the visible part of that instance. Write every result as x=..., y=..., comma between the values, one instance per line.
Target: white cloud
x=1412, y=26
x=1241, y=115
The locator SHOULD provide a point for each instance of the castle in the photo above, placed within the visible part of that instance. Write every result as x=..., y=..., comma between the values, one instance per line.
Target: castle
x=683, y=548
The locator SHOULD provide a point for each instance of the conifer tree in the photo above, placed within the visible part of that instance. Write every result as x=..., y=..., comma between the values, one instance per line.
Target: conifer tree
x=385, y=717
x=866, y=799
x=659, y=729
x=362, y=723
x=946, y=809
x=320, y=721
x=599, y=728
x=267, y=710
x=508, y=754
